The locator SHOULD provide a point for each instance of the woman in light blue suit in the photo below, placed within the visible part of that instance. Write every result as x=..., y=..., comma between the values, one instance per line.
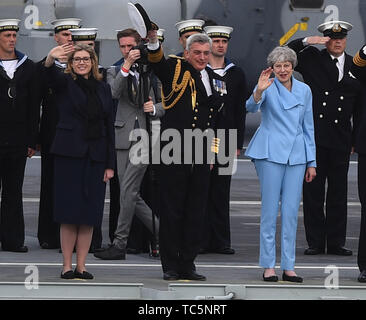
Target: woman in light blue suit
x=283, y=151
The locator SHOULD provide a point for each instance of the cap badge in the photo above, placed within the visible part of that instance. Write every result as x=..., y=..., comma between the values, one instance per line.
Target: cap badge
x=337, y=28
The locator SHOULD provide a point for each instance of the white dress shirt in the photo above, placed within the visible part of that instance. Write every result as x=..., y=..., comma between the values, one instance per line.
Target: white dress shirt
x=340, y=65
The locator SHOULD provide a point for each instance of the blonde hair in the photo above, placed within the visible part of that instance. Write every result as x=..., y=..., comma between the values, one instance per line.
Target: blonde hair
x=93, y=58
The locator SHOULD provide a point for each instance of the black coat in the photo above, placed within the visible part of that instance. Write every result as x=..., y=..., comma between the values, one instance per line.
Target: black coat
x=49, y=114
x=182, y=115
x=334, y=103
x=19, y=116
x=360, y=118
x=233, y=113
x=70, y=137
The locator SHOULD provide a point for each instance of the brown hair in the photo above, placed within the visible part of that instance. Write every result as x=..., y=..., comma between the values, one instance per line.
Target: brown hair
x=129, y=33
x=93, y=58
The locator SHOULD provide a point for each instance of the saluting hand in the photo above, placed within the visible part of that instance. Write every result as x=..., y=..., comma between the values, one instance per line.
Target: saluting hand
x=263, y=83
x=317, y=40
x=60, y=52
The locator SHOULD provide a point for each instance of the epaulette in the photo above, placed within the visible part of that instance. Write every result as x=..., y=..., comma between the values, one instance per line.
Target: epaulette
x=176, y=57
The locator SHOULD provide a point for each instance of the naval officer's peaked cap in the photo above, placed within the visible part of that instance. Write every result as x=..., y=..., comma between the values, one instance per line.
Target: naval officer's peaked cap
x=335, y=29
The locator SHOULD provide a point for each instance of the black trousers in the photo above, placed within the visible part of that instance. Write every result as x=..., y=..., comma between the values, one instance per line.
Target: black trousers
x=48, y=229
x=217, y=221
x=361, y=257
x=183, y=199
x=114, y=206
x=12, y=166
x=327, y=228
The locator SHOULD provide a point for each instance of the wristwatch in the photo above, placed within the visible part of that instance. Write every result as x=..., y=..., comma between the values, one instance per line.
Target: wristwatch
x=305, y=42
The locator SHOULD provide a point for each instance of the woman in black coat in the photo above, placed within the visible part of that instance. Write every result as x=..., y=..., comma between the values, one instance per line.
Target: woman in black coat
x=84, y=151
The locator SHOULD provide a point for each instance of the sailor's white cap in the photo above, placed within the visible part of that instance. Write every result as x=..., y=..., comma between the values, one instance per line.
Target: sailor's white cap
x=83, y=34
x=9, y=24
x=189, y=25
x=160, y=34
x=335, y=29
x=66, y=24
x=218, y=31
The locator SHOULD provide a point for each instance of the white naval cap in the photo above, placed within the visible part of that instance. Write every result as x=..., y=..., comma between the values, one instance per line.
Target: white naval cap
x=9, y=24
x=335, y=29
x=189, y=25
x=83, y=34
x=218, y=31
x=160, y=34
x=66, y=24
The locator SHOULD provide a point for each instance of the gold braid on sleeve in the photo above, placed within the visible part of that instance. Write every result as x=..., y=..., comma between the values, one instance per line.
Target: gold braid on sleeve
x=358, y=61
x=181, y=87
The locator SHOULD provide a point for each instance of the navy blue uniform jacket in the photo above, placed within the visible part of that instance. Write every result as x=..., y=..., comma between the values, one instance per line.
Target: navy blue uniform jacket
x=70, y=139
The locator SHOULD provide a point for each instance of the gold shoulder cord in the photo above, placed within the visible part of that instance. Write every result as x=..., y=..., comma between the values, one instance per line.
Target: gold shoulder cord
x=181, y=87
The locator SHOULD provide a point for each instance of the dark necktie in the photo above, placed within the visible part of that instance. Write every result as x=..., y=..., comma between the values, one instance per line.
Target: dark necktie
x=335, y=60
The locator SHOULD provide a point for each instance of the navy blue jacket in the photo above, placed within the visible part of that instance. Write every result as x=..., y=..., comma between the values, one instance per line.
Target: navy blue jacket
x=70, y=139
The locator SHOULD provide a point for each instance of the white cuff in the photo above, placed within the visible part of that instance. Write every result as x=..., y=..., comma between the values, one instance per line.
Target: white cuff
x=125, y=74
x=153, y=46
x=154, y=112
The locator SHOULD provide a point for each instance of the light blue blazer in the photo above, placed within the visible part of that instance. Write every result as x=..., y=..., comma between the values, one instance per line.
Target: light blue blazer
x=286, y=132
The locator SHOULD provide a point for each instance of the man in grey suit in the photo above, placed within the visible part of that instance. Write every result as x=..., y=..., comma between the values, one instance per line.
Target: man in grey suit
x=124, y=81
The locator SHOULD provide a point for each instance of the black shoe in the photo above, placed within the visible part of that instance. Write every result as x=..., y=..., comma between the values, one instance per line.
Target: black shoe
x=46, y=245
x=227, y=250
x=171, y=275
x=362, y=276
x=68, y=275
x=83, y=275
x=111, y=253
x=132, y=251
x=297, y=279
x=21, y=249
x=270, y=278
x=311, y=251
x=192, y=275
x=339, y=251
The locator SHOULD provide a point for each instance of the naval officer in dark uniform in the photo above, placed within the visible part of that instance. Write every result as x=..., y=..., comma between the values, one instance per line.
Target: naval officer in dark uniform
x=230, y=82
x=335, y=92
x=190, y=102
x=359, y=70
x=19, y=116
x=48, y=230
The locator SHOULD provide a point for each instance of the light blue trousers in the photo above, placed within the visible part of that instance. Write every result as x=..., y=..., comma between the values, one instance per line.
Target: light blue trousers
x=279, y=183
